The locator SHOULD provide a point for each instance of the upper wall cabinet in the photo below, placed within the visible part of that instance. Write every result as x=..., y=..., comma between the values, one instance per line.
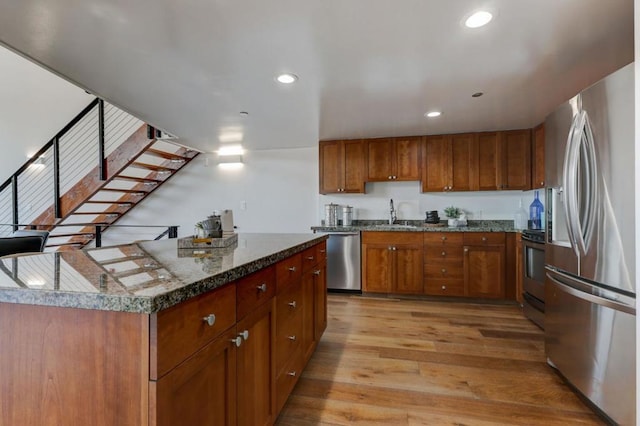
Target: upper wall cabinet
x=537, y=157
x=342, y=166
x=447, y=163
x=393, y=159
x=516, y=159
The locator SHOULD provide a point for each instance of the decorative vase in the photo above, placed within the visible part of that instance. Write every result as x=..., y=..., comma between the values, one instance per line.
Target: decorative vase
x=452, y=222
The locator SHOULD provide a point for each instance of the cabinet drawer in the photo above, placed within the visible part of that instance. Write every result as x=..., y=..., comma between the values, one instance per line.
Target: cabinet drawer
x=254, y=290
x=392, y=238
x=309, y=258
x=288, y=377
x=438, y=287
x=288, y=271
x=483, y=238
x=443, y=238
x=288, y=304
x=444, y=270
x=288, y=339
x=181, y=330
x=435, y=254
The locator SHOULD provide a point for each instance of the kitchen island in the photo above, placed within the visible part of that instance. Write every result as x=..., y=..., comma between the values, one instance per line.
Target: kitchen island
x=147, y=333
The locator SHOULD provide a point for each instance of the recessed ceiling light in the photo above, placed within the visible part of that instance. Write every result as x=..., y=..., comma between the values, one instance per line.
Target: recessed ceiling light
x=287, y=78
x=433, y=114
x=478, y=19
x=477, y=95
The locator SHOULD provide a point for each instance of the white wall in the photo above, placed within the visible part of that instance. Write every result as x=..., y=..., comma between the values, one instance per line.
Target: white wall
x=279, y=187
x=34, y=105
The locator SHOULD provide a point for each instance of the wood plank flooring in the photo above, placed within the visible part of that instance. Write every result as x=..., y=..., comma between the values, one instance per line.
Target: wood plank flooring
x=411, y=362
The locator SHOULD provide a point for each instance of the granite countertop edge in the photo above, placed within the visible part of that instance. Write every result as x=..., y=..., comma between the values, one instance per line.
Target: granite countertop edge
x=418, y=226
x=149, y=304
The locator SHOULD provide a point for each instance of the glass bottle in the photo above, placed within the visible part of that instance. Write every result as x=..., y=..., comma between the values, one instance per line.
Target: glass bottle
x=520, y=217
x=535, y=212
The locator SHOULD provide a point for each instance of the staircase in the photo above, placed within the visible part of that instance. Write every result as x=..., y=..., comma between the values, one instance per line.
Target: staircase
x=64, y=190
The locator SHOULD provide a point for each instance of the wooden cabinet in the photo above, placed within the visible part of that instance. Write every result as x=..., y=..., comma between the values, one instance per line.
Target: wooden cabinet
x=484, y=264
x=448, y=163
x=201, y=390
x=393, y=159
x=443, y=267
x=537, y=157
x=342, y=166
x=515, y=148
x=488, y=161
x=392, y=262
x=314, y=301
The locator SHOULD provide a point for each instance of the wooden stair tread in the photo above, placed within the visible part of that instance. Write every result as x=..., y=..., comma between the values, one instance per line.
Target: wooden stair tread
x=72, y=234
x=165, y=155
x=73, y=243
x=152, y=167
x=126, y=191
x=137, y=179
x=124, y=203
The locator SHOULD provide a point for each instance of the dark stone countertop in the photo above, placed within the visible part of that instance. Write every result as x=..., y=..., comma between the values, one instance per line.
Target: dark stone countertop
x=143, y=277
x=420, y=226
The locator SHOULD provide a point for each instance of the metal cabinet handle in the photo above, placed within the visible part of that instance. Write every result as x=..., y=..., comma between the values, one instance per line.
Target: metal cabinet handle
x=292, y=338
x=444, y=238
x=541, y=183
x=317, y=272
x=237, y=341
x=262, y=287
x=323, y=251
x=244, y=334
x=293, y=304
x=466, y=249
x=210, y=319
x=389, y=177
x=444, y=287
x=395, y=177
x=444, y=271
x=444, y=253
x=310, y=258
x=292, y=269
x=292, y=374
x=393, y=248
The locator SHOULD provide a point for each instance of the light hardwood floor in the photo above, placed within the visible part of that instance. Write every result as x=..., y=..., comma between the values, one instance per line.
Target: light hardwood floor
x=408, y=362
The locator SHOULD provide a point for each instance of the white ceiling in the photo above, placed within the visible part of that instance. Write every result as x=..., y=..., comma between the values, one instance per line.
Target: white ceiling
x=366, y=67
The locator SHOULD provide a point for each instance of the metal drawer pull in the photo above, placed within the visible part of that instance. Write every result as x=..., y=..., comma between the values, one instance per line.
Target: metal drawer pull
x=244, y=334
x=444, y=287
x=262, y=287
x=210, y=319
x=444, y=271
x=292, y=374
x=444, y=238
x=484, y=238
x=323, y=251
x=444, y=253
x=292, y=304
x=292, y=338
x=316, y=272
x=237, y=341
x=292, y=269
x=310, y=258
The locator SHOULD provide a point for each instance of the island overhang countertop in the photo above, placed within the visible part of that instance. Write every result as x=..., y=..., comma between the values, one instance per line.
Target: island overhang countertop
x=143, y=277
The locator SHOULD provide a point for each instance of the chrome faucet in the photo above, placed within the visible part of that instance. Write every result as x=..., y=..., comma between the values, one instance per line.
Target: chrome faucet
x=392, y=213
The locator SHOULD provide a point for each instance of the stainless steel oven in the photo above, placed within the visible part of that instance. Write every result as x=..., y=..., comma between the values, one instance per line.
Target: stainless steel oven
x=533, y=275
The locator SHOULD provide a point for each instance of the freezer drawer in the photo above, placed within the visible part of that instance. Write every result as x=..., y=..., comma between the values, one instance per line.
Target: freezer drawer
x=590, y=339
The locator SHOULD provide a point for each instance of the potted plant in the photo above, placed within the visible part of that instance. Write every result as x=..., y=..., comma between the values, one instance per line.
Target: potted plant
x=452, y=213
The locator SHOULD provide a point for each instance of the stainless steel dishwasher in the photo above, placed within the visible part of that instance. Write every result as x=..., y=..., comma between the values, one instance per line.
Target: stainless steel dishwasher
x=343, y=262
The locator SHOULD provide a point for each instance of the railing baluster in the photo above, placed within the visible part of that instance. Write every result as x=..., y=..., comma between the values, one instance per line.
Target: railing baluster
x=98, y=236
x=56, y=178
x=14, y=200
x=173, y=232
x=101, y=163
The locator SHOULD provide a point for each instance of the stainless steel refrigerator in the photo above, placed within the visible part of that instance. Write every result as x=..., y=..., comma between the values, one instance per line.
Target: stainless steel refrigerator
x=590, y=251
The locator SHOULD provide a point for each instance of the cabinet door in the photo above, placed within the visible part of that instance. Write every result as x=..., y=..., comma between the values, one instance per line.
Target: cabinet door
x=408, y=157
x=487, y=161
x=331, y=166
x=537, y=157
x=256, y=374
x=484, y=271
x=436, y=152
x=380, y=160
x=461, y=163
x=516, y=156
x=408, y=267
x=201, y=390
x=354, y=167
x=320, y=299
x=376, y=268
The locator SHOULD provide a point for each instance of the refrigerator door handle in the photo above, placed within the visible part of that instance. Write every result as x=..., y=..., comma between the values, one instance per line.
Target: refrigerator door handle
x=592, y=298
x=569, y=172
x=590, y=191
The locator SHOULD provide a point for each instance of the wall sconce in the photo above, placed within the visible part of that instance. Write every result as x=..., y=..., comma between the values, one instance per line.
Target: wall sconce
x=38, y=163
